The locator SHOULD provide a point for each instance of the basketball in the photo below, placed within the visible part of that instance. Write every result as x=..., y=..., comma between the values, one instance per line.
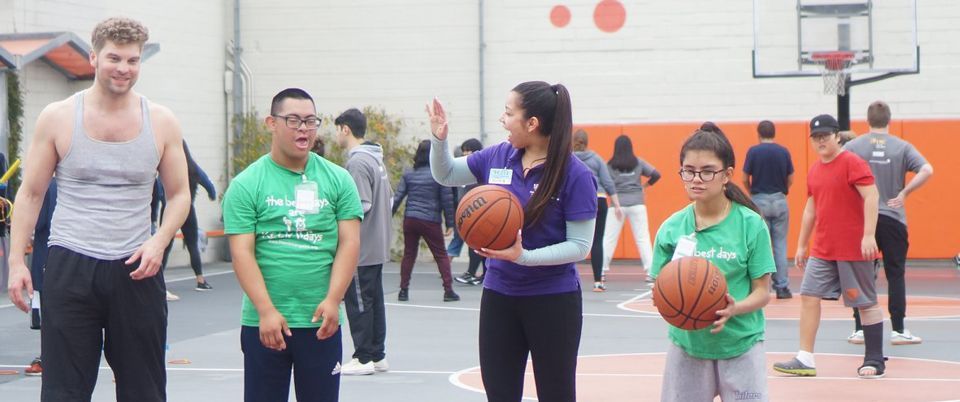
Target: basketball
x=689, y=291
x=489, y=217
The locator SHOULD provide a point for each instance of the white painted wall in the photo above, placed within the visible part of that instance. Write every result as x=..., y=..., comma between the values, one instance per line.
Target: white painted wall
x=397, y=55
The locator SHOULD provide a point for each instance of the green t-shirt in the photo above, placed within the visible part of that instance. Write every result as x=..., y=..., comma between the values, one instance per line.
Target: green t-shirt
x=294, y=249
x=740, y=247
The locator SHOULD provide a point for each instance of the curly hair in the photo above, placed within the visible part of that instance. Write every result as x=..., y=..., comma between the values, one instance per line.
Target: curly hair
x=120, y=31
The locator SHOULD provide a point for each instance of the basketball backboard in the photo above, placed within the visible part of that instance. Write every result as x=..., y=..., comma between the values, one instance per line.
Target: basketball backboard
x=790, y=37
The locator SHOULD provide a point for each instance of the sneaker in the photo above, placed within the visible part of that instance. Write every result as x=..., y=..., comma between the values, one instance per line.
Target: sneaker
x=904, y=338
x=856, y=337
x=203, y=286
x=403, y=295
x=477, y=280
x=172, y=297
x=381, y=366
x=450, y=296
x=599, y=287
x=466, y=278
x=35, y=369
x=354, y=367
x=795, y=367
x=784, y=293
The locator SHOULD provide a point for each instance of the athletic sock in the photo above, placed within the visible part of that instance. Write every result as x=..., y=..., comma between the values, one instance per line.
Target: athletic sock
x=806, y=358
x=873, y=341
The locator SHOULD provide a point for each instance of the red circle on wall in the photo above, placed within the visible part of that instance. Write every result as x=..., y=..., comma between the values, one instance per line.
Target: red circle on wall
x=560, y=16
x=609, y=15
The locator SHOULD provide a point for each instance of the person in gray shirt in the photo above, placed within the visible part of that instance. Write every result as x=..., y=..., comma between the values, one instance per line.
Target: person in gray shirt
x=607, y=190
x=628, y=172
x=364, y=297
x=890, y=158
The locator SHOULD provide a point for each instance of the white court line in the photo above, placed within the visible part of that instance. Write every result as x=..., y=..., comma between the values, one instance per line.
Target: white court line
x=240, y=370
x=477, y=309
x=3, y=306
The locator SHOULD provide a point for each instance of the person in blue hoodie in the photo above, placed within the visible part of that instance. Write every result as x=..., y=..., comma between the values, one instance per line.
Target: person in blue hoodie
x=427, y=200
x=606, y=190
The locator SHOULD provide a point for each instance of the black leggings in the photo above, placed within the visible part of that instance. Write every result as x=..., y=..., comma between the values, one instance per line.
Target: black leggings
x=596, y=252
x=190, y=239
x=475, y=261
x=547, y=327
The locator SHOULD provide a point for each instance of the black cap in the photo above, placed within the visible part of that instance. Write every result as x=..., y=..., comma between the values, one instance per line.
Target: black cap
x=824, y=123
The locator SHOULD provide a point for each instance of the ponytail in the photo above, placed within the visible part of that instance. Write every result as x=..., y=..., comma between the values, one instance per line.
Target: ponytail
x=735, y=194
x=550, y=104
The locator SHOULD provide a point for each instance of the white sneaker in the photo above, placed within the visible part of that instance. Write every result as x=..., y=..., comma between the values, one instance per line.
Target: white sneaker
x=856, y=337
x=381, y=366
x=354, y=367
x=172, y=297
x=904, y=338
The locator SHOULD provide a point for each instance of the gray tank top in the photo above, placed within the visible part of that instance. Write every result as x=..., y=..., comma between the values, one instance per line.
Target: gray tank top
x=104, y=191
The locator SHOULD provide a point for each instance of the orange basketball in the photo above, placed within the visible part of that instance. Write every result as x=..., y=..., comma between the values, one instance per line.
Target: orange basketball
x=489, y=217
x=689, y=291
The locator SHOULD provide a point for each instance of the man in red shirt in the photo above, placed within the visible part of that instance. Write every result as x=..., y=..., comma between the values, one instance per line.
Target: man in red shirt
x=841, y=208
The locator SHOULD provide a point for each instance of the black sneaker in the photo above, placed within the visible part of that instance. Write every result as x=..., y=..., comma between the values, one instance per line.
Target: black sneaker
x=203, y=286
x=450, y=296
x=403, y=296
x=784, y=293
x=477, y=281
x=467, y=278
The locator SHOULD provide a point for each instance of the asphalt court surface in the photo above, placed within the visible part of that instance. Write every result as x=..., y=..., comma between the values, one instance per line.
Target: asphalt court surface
x=432, y=345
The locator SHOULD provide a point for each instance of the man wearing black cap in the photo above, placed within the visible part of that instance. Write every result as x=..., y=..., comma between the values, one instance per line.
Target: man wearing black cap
x=841, y=208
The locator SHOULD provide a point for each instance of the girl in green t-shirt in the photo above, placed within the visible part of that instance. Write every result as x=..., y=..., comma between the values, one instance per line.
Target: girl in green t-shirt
x=725, y=227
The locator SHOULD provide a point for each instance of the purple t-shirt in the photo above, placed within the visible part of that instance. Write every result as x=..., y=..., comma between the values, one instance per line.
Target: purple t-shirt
x=576, y=201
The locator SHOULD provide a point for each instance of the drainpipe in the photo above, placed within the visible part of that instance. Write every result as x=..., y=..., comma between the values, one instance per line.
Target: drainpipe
x=237, y=81
x=482, y=47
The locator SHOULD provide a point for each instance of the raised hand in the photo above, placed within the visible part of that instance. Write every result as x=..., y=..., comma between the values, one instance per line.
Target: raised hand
x=438, y=119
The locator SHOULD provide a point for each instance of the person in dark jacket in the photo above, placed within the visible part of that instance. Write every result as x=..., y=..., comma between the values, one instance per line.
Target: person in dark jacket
x=38, y=261
x=476, y=260
x=426, y=199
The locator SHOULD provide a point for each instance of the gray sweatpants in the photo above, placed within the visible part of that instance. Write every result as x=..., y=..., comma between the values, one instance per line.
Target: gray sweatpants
x=689, y=379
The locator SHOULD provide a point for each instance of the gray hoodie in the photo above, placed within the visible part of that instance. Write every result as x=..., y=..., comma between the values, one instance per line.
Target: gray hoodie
x=599, y=169
x=365, y=164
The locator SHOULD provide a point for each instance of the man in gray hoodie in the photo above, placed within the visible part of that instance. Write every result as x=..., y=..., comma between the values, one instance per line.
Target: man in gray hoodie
x=364, y=297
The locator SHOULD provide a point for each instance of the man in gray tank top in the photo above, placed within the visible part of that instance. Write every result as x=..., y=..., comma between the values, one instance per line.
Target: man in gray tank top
x=102, y=285
x=890, y=158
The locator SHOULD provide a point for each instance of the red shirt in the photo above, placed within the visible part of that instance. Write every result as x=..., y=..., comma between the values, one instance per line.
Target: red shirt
x=838, y=227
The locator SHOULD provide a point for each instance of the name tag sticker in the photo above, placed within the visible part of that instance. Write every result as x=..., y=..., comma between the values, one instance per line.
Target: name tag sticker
x=500, y=176
x=686, y=246
x=306, y=194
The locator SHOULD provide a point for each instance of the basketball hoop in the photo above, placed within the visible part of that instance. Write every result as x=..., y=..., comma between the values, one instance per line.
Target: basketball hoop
x=835, y=69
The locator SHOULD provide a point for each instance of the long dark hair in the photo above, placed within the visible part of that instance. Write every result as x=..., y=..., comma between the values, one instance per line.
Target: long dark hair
x=623, y=159
x=422, y=157
x=193, y=177
x=710, y=138
x=550, y=104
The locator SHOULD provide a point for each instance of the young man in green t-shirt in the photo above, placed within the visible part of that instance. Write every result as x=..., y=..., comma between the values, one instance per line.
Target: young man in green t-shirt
x=294, y=224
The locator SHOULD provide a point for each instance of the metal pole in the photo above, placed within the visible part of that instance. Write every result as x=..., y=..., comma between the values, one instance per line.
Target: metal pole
x=482, y=47
x=843, y=107
x=237, y=81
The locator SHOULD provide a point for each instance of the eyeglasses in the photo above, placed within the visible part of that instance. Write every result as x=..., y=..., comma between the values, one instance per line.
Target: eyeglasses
x=705, y=175
x=294, y=121
x=821, y=137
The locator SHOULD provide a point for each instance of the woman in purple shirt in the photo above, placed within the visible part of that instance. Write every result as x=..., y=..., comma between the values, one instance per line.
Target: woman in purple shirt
x=531, y=301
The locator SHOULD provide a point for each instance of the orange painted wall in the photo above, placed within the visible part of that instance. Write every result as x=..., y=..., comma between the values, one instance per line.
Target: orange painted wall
x=934, y=219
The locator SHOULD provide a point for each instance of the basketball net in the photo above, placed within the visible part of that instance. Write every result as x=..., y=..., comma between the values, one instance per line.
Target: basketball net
x=835, y=69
